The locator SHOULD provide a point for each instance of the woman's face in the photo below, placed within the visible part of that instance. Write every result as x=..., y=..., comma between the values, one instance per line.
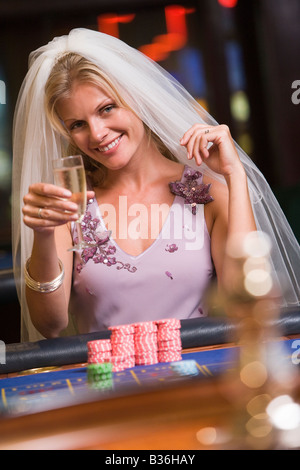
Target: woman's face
x=100, y=128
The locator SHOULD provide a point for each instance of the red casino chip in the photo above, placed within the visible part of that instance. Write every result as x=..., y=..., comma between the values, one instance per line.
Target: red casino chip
x=99, y=345
x=120, y=358
x=145, y=327
x=169, y=356
x=167, y=334
x=121, y=349
x=119, y=367
x=146, y=359
x=141, y=338
x=120, y=339
x=173, y=345
x=172, y=323
x=96, y=360
x=122, y=362
x=122, y=329
x=151, y=346
x=99, y=358
x=145, y=339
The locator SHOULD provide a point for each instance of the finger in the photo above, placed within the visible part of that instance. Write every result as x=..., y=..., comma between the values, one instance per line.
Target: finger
x=194, y=151
x=36, y=198
x=203, y=147
x=41, y=215
x=32, y=204
x=188, y=134
x=50, y=190
x=200, y=150
x=195, y=128
x=191, y=146
x=197, y=146
x=47, y=221
x=56, y=216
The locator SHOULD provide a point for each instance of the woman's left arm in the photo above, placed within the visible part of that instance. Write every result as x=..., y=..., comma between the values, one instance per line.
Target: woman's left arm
x=232, y=214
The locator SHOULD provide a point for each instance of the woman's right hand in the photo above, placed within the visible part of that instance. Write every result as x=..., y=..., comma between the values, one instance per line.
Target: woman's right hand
x=47, y=206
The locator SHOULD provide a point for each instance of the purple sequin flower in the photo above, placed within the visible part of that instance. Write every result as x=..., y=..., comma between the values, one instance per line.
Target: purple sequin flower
x=190, y=190
x=101, y=250
x=171, y=248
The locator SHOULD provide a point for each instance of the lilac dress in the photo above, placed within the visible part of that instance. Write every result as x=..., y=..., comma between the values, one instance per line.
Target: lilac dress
x=169, y=279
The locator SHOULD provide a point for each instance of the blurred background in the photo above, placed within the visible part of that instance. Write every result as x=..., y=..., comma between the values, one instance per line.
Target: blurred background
x=238, y=58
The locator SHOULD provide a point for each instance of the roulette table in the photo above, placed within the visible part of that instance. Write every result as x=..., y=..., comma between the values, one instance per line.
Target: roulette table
x=51, y=405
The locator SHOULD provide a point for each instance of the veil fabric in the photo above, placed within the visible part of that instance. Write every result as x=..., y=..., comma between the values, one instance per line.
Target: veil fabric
x=165, y=107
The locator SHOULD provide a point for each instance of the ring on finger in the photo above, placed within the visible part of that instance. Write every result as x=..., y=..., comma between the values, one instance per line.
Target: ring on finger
x=40, y=213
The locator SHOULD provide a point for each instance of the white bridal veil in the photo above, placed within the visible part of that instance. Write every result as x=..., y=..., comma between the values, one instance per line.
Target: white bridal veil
x=167, y=109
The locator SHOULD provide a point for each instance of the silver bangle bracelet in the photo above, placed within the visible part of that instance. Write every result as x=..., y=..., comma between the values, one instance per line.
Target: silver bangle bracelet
x=44, y=287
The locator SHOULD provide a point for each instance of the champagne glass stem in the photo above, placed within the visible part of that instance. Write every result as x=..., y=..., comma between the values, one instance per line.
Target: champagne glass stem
x=80, y=245
x=79, y=234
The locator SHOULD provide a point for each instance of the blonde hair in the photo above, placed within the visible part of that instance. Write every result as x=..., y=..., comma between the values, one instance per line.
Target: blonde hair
x=72, y=67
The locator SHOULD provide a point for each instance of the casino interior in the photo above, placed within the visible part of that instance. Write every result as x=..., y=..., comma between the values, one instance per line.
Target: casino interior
x=239, y=385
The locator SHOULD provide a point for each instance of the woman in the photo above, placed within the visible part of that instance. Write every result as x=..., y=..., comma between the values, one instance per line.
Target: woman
x=140, y=134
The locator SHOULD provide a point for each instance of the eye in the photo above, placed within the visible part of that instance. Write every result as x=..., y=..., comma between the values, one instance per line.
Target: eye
x=76, y=125
x=107, y=109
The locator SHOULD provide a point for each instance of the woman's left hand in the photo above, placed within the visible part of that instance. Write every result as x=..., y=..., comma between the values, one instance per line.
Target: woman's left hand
x=221, y=157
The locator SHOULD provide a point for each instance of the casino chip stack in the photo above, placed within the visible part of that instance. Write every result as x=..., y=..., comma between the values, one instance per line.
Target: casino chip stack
x=99, y=368
x=99, y=351
x=169, y=340
x=145, y=343
x=142, y=343
x=122, y=343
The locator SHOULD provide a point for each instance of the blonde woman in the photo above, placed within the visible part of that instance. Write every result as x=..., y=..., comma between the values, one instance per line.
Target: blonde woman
x=166, y=183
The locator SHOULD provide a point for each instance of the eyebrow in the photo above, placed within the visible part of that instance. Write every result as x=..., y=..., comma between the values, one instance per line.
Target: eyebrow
x=71, y=119
x=100, y=105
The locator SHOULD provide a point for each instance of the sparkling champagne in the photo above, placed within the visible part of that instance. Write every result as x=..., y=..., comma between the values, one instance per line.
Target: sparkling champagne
x=73, y=178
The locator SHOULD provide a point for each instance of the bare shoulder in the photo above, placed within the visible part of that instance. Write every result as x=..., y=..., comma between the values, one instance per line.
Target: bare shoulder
x=218, y=190
x=170, y=171
x=173, y=170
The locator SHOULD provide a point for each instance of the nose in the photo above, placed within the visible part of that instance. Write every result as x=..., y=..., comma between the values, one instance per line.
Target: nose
x=98, y=132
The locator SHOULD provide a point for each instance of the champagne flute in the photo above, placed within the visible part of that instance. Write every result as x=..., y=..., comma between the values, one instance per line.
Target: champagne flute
x=69, y=173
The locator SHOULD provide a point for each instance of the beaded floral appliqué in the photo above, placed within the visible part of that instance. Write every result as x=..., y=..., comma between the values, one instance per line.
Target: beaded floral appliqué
x=171, y=248
x=191, y=191
x=100, y=251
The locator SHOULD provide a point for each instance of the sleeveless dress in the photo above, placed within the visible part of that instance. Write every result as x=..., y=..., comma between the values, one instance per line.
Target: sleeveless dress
x=169, y=279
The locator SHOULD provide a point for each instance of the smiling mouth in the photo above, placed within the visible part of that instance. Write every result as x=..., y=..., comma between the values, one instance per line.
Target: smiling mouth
x=111, y=145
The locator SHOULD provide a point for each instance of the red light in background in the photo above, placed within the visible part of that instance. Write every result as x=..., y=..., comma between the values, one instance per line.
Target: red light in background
x=108, y=23
x=175, y=38
x=228, y=3
x=163, y=44
x=175, y=20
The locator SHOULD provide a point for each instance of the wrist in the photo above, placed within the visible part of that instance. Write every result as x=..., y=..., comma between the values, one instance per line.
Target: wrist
x=237, y=177
x=44, y=237
x=44, y=287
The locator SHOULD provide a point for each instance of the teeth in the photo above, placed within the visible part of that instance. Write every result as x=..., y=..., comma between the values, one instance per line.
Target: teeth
x=110, y=146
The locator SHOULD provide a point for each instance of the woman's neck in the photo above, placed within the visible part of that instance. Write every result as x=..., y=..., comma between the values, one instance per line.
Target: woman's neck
x=138, y=173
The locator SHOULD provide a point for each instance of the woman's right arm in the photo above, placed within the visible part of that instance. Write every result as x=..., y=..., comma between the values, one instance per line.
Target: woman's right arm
x=52, y=238
x=49, y=311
